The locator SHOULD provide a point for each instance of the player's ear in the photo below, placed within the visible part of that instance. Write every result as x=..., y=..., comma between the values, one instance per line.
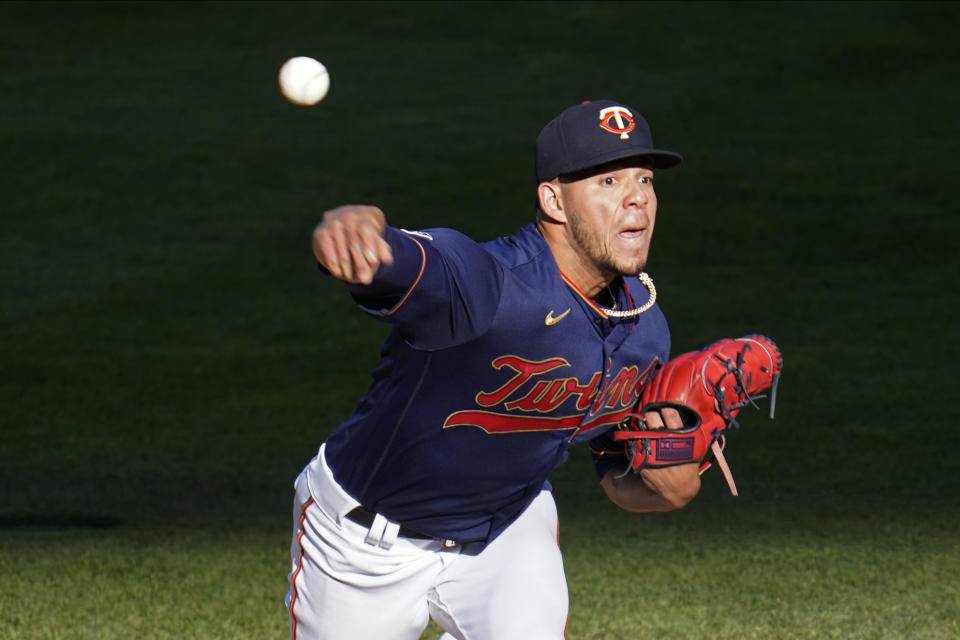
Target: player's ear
x=551, y=201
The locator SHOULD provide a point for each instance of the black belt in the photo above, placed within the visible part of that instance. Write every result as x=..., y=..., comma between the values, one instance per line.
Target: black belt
x=365, y=518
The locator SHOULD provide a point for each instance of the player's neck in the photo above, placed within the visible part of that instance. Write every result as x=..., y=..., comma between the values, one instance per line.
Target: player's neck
x=587, y=276
x=591, y=282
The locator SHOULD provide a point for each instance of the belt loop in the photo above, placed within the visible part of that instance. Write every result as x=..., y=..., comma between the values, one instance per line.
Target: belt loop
x=377, y=529
x=389, y=535
x=382, y=533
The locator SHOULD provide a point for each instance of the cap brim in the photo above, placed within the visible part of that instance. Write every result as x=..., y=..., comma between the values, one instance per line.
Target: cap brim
x=662, y=159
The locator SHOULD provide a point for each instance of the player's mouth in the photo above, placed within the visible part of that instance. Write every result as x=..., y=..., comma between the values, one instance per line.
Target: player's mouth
x=632, y=234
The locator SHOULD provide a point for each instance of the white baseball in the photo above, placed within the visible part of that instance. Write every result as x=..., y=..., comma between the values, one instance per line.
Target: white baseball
x=304, y=81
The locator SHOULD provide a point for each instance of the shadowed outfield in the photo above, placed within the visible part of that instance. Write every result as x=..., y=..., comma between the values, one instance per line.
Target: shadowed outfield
x=170, y=358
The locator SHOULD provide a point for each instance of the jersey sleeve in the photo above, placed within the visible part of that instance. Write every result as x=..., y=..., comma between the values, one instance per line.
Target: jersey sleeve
x=393, y=282
x=607, y=455
x=442, y=289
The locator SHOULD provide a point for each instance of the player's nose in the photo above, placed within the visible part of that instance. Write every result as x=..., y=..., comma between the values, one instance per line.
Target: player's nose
x=636, y=196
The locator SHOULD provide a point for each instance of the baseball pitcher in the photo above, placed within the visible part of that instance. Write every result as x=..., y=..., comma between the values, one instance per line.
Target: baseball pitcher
x=431, y=500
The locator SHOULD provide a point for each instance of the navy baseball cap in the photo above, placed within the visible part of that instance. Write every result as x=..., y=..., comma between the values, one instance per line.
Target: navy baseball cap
x=594, y=133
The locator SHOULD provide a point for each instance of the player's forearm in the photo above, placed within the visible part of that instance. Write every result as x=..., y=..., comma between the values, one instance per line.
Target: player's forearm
x=663, y=489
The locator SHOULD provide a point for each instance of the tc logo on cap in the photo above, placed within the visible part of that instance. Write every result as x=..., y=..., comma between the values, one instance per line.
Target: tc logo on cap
x=617, y=120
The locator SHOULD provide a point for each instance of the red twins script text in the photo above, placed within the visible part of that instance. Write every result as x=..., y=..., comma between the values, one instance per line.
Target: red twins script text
x=603, y=400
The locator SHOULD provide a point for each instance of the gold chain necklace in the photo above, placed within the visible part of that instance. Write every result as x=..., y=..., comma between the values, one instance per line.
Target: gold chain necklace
x=629, y=313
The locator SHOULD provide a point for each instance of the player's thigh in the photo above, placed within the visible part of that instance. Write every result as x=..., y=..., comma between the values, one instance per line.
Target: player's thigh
x=341, y=587
x=515, y=588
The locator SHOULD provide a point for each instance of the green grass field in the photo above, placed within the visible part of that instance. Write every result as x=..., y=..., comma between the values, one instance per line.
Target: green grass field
x=170, y=357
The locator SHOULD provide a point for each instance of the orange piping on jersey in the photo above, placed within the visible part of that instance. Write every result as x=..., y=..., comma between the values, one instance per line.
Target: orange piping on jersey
x=593, y=305
x=423, y=267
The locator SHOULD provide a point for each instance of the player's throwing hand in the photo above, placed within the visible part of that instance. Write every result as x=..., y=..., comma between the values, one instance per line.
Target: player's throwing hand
x=349, y=243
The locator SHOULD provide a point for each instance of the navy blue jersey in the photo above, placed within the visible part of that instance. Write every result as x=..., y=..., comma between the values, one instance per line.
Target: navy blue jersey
x=495, y=365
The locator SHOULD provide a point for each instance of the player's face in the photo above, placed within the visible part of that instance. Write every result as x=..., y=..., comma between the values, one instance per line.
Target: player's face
x=610, y=216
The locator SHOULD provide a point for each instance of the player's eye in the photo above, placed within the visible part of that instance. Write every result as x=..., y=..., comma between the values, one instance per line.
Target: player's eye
x=646, y=180
x=609, y=181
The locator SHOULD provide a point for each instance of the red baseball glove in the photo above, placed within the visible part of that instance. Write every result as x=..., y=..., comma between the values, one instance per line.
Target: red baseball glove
x=708, y=388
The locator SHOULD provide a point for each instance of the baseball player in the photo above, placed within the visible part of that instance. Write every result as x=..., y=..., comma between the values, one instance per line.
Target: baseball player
x=432, y=499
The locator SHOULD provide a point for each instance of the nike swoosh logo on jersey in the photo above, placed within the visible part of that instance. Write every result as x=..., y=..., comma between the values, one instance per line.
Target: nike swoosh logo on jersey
x=550, y=320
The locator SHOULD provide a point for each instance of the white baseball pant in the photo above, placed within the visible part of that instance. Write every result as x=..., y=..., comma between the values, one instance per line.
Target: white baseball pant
x=352, y=582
